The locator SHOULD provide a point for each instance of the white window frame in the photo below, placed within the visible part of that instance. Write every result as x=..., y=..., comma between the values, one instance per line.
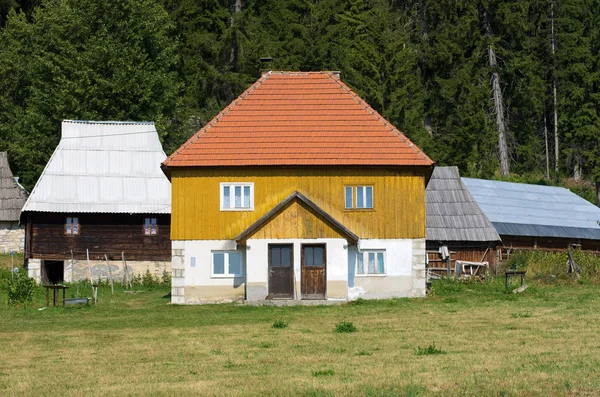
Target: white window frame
x=72, y=226
x=232, y=186
x=226, y=273
x=149, y=227
x=365, y=255
x=364, y=197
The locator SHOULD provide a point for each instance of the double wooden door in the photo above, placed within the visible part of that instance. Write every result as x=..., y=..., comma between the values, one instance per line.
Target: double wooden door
x=281, y=271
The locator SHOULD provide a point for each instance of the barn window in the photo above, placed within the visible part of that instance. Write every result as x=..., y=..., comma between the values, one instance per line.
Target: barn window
x=150, y=227
x=360, y=197
x=237, y=196
x=226, y=264
x=370, y=262
x=72, y=225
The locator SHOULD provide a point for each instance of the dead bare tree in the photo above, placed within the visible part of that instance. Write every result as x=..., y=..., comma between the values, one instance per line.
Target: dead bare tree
x=498, y=100
x=553, y=39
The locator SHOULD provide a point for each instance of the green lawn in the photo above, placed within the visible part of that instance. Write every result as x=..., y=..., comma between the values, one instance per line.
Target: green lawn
x=543, y=342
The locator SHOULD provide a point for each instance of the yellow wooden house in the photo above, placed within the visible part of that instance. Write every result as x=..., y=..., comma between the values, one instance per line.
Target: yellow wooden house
x=297, y=190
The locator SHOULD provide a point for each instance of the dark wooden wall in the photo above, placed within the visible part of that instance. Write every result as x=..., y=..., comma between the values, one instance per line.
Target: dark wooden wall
x=547, y=243
x=101, y=234
x=463, y=251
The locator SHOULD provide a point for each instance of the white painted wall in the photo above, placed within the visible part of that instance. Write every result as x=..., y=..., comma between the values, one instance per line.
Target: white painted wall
x=201, y=274
x=398, y=266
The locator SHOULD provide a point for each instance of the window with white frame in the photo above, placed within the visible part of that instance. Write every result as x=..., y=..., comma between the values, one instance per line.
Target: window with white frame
x=226, y=264
x=370, y=262
x=359, y=197
x=237, y=196
x=150, y=227
x=72, y=225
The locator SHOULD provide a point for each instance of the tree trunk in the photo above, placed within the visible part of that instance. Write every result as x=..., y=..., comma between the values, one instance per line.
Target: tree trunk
x=546, y=141
x=577, y=170
x=233, y=57
x=498, y=104
x=554, y=88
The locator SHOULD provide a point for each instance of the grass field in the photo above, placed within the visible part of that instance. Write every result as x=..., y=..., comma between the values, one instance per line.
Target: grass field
x=467, y=339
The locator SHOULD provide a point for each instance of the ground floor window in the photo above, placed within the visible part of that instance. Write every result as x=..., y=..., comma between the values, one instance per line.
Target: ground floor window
x=370, y=262
x=227, y=264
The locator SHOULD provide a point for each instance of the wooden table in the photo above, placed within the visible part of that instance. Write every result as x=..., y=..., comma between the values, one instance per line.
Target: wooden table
x=55, y=288
x=514, y=273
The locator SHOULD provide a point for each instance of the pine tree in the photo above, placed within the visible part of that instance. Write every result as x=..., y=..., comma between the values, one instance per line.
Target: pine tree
x=89, y=59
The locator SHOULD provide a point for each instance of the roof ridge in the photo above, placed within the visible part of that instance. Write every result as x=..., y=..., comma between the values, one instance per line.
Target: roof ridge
x=379, y=117
x=215, y=119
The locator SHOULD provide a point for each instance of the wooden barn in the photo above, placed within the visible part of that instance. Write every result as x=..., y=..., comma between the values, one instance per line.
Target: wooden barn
x=298, y=190
x=12, y=198
x=457, y=228
x=537, y=217
x=101, y=207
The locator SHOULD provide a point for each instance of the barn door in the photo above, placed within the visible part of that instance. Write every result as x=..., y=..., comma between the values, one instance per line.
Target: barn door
x=281, y=271
x=313, y=271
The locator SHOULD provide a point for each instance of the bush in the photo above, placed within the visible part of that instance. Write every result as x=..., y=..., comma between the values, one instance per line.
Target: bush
x=20, y=288
x=550, y=267
x=279, y=324
x=345, y=326
x=429, y=350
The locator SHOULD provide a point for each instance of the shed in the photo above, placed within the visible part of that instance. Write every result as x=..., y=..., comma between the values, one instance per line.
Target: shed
x=535, y=216
x=12, y=198
x=102, y=195
x=455, y=221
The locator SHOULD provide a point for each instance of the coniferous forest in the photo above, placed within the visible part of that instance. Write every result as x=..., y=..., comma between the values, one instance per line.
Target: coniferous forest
x=500, y=88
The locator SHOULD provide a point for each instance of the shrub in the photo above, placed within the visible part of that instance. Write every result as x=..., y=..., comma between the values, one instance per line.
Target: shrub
x=20, y=288
x=429, y=350
x=324, y=372
x=551, y=267
x=279, y=324
x=345, y=326
x=166, y=277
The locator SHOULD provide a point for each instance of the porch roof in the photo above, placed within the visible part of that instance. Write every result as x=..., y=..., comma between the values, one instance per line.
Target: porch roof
x=343, y=230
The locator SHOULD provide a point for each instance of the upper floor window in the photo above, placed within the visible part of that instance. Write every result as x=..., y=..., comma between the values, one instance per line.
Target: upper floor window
x=72, y=225
x=359, y=197
x=370, y=262
x=237, y=196
x=150, y=227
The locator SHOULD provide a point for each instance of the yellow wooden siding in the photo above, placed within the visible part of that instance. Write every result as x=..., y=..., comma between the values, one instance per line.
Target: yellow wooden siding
x=398, y=200
x=296, y=221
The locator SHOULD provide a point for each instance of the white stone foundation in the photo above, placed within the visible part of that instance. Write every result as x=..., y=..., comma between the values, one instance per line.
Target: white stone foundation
x=12, y=237
x=79, y=270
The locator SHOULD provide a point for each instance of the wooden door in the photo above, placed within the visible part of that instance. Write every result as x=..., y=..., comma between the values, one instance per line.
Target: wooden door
x=314, y=259
x=281, y=271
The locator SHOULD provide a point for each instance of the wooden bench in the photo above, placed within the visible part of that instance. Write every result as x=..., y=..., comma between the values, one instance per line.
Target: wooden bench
x=514, y=273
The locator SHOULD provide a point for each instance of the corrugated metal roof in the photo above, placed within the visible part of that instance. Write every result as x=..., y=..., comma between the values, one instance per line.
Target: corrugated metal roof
x=298, y=118
x=519, y=209
x=12, y=194
x=107, y=167
x=452, y=213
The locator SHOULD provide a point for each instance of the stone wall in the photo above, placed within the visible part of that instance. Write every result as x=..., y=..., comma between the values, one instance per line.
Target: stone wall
x=12, y=237
x=419, y=274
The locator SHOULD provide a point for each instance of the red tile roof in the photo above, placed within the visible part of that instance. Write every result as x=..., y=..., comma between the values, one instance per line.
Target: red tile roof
x=298, y=118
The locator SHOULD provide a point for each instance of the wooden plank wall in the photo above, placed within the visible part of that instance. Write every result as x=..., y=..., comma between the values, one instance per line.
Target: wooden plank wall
x=473, y=252
x=547, y=244
x=102, y=234
x=399, y=199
